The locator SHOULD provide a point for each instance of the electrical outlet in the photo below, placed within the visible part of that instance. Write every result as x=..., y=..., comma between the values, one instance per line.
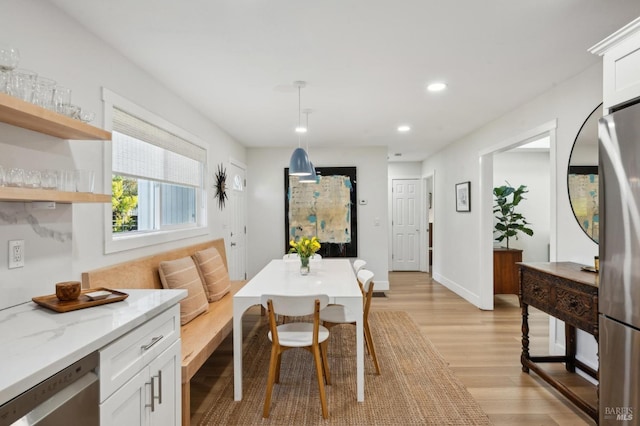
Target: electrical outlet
x=16, y=254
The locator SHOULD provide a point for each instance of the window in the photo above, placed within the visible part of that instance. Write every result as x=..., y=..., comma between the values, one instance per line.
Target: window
x=157, y=179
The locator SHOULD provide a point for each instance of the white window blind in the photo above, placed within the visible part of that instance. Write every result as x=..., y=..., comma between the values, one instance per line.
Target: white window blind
x=144, y=150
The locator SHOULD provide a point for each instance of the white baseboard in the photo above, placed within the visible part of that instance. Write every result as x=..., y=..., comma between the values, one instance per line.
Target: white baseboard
x=458, y=289
x=381, y=286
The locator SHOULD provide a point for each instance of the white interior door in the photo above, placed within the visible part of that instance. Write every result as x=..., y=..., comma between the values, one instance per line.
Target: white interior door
x=237, y=256
x=406, y=224
x=428, y=222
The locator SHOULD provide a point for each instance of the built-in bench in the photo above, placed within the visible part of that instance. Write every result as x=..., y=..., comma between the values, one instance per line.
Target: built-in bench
x=202, y=335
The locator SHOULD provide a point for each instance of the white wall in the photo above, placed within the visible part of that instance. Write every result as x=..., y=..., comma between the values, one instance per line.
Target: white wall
x=265, y=198
x=570, y=102
x=530, y=169
x=55, y=46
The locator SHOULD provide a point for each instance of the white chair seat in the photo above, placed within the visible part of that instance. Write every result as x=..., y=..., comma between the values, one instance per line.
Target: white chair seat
x=337, y=314
x=299, y=334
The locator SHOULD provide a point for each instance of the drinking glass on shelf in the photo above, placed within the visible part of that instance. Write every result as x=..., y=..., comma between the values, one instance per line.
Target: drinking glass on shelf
x=32, y=179
x=21, y=84
x=15, y=177
x=43, y=93
x=72, y=111
x=61, y=98
x=84, y=180
x=4, y=82
x=49, y=179
x=9, y=59
x=86, y=116
x=2, y=176
x=67, y=180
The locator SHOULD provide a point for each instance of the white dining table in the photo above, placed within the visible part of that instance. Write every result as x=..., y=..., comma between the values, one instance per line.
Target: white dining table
x=333, y=277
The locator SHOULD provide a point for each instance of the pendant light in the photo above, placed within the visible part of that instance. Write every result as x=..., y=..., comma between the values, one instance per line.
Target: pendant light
x=299, y=163
x=313, y=177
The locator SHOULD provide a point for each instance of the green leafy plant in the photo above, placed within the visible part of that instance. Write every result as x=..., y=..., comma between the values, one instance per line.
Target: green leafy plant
x=510, y=223
x=124, y=200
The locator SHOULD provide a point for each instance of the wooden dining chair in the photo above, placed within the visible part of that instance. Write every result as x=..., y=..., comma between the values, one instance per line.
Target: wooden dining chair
x=338, y=314
x=310, y=336
x=359, y=264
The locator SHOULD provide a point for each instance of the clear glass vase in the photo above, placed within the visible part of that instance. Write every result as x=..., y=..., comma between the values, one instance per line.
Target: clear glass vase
x=304, y=265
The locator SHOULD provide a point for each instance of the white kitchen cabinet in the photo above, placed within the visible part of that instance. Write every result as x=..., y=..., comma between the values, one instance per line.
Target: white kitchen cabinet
x=165, y=374
x=127, y=405
x=621, y=65
x=140, y=374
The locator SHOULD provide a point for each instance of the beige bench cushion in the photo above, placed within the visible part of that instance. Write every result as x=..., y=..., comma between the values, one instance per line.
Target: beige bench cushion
x=183, y=274
x=213, y=271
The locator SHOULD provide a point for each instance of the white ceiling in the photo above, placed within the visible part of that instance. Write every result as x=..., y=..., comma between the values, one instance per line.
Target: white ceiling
x=366, y=62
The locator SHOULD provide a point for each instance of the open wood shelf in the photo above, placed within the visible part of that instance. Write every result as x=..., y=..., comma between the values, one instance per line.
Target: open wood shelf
x=37, y=194
x=19, y=113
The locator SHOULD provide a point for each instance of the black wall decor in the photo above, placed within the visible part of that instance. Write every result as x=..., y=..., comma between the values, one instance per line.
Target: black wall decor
x=328, y=249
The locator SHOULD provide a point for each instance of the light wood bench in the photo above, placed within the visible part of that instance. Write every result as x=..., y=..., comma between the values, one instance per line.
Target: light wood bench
x=202, y=335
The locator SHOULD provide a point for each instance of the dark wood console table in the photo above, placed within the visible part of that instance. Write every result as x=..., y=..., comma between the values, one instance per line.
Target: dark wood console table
x=564, y=291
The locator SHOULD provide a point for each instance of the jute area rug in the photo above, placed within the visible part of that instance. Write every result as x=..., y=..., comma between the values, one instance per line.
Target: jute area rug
x=415, y=387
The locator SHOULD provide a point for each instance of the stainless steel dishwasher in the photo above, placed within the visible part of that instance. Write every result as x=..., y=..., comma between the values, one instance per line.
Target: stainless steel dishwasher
x=69, y=397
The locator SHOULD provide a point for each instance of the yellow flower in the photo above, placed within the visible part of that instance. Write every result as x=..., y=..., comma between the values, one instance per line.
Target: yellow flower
x=305, y=247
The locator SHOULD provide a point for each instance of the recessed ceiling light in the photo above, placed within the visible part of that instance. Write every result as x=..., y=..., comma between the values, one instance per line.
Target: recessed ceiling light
x=404, y=128
x=301, y=129
x=436, y=87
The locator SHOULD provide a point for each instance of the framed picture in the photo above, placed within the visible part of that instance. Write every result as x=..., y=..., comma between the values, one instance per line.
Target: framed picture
x=327, y=209
x=463, y=197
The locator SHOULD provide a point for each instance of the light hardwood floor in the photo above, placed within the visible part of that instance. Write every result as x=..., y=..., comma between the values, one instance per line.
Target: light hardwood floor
x=482, y=348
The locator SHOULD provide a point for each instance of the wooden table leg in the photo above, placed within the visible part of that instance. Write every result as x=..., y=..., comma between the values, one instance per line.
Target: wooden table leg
x=570, y=347
x=525, y=336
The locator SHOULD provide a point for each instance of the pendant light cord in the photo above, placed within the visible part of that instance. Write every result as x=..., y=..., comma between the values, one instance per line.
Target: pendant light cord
x=306, y=138
x=299, y=117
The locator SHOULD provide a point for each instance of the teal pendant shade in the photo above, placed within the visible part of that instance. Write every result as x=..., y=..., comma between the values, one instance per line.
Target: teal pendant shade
x=299, y=164
x=312, y=178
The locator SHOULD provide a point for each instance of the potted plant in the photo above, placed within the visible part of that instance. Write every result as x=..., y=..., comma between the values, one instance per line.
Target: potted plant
x=510, y=223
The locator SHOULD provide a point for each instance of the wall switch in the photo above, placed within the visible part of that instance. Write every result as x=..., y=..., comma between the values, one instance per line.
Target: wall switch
x=16, y=254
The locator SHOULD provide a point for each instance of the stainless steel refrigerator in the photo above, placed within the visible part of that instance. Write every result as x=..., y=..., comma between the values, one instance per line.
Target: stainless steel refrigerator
x=619, y=289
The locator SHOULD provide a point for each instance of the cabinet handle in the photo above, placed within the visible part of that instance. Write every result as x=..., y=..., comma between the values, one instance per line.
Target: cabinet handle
x=152, y=405
x=159, y=386
x=153, y=342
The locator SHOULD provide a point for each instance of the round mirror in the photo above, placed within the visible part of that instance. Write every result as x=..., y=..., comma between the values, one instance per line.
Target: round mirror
x=582, y=176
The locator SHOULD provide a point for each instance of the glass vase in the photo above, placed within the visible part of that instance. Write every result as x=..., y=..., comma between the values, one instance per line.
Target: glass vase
x=304, y=265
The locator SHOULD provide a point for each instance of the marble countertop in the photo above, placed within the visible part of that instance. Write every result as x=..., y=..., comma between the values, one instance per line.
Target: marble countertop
x=36, y=342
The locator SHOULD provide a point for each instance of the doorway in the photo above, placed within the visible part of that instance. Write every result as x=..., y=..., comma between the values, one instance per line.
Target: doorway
x=485, y=248
x=406, y=202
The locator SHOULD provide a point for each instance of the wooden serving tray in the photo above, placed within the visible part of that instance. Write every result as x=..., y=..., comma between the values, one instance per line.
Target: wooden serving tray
x=52, y=302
